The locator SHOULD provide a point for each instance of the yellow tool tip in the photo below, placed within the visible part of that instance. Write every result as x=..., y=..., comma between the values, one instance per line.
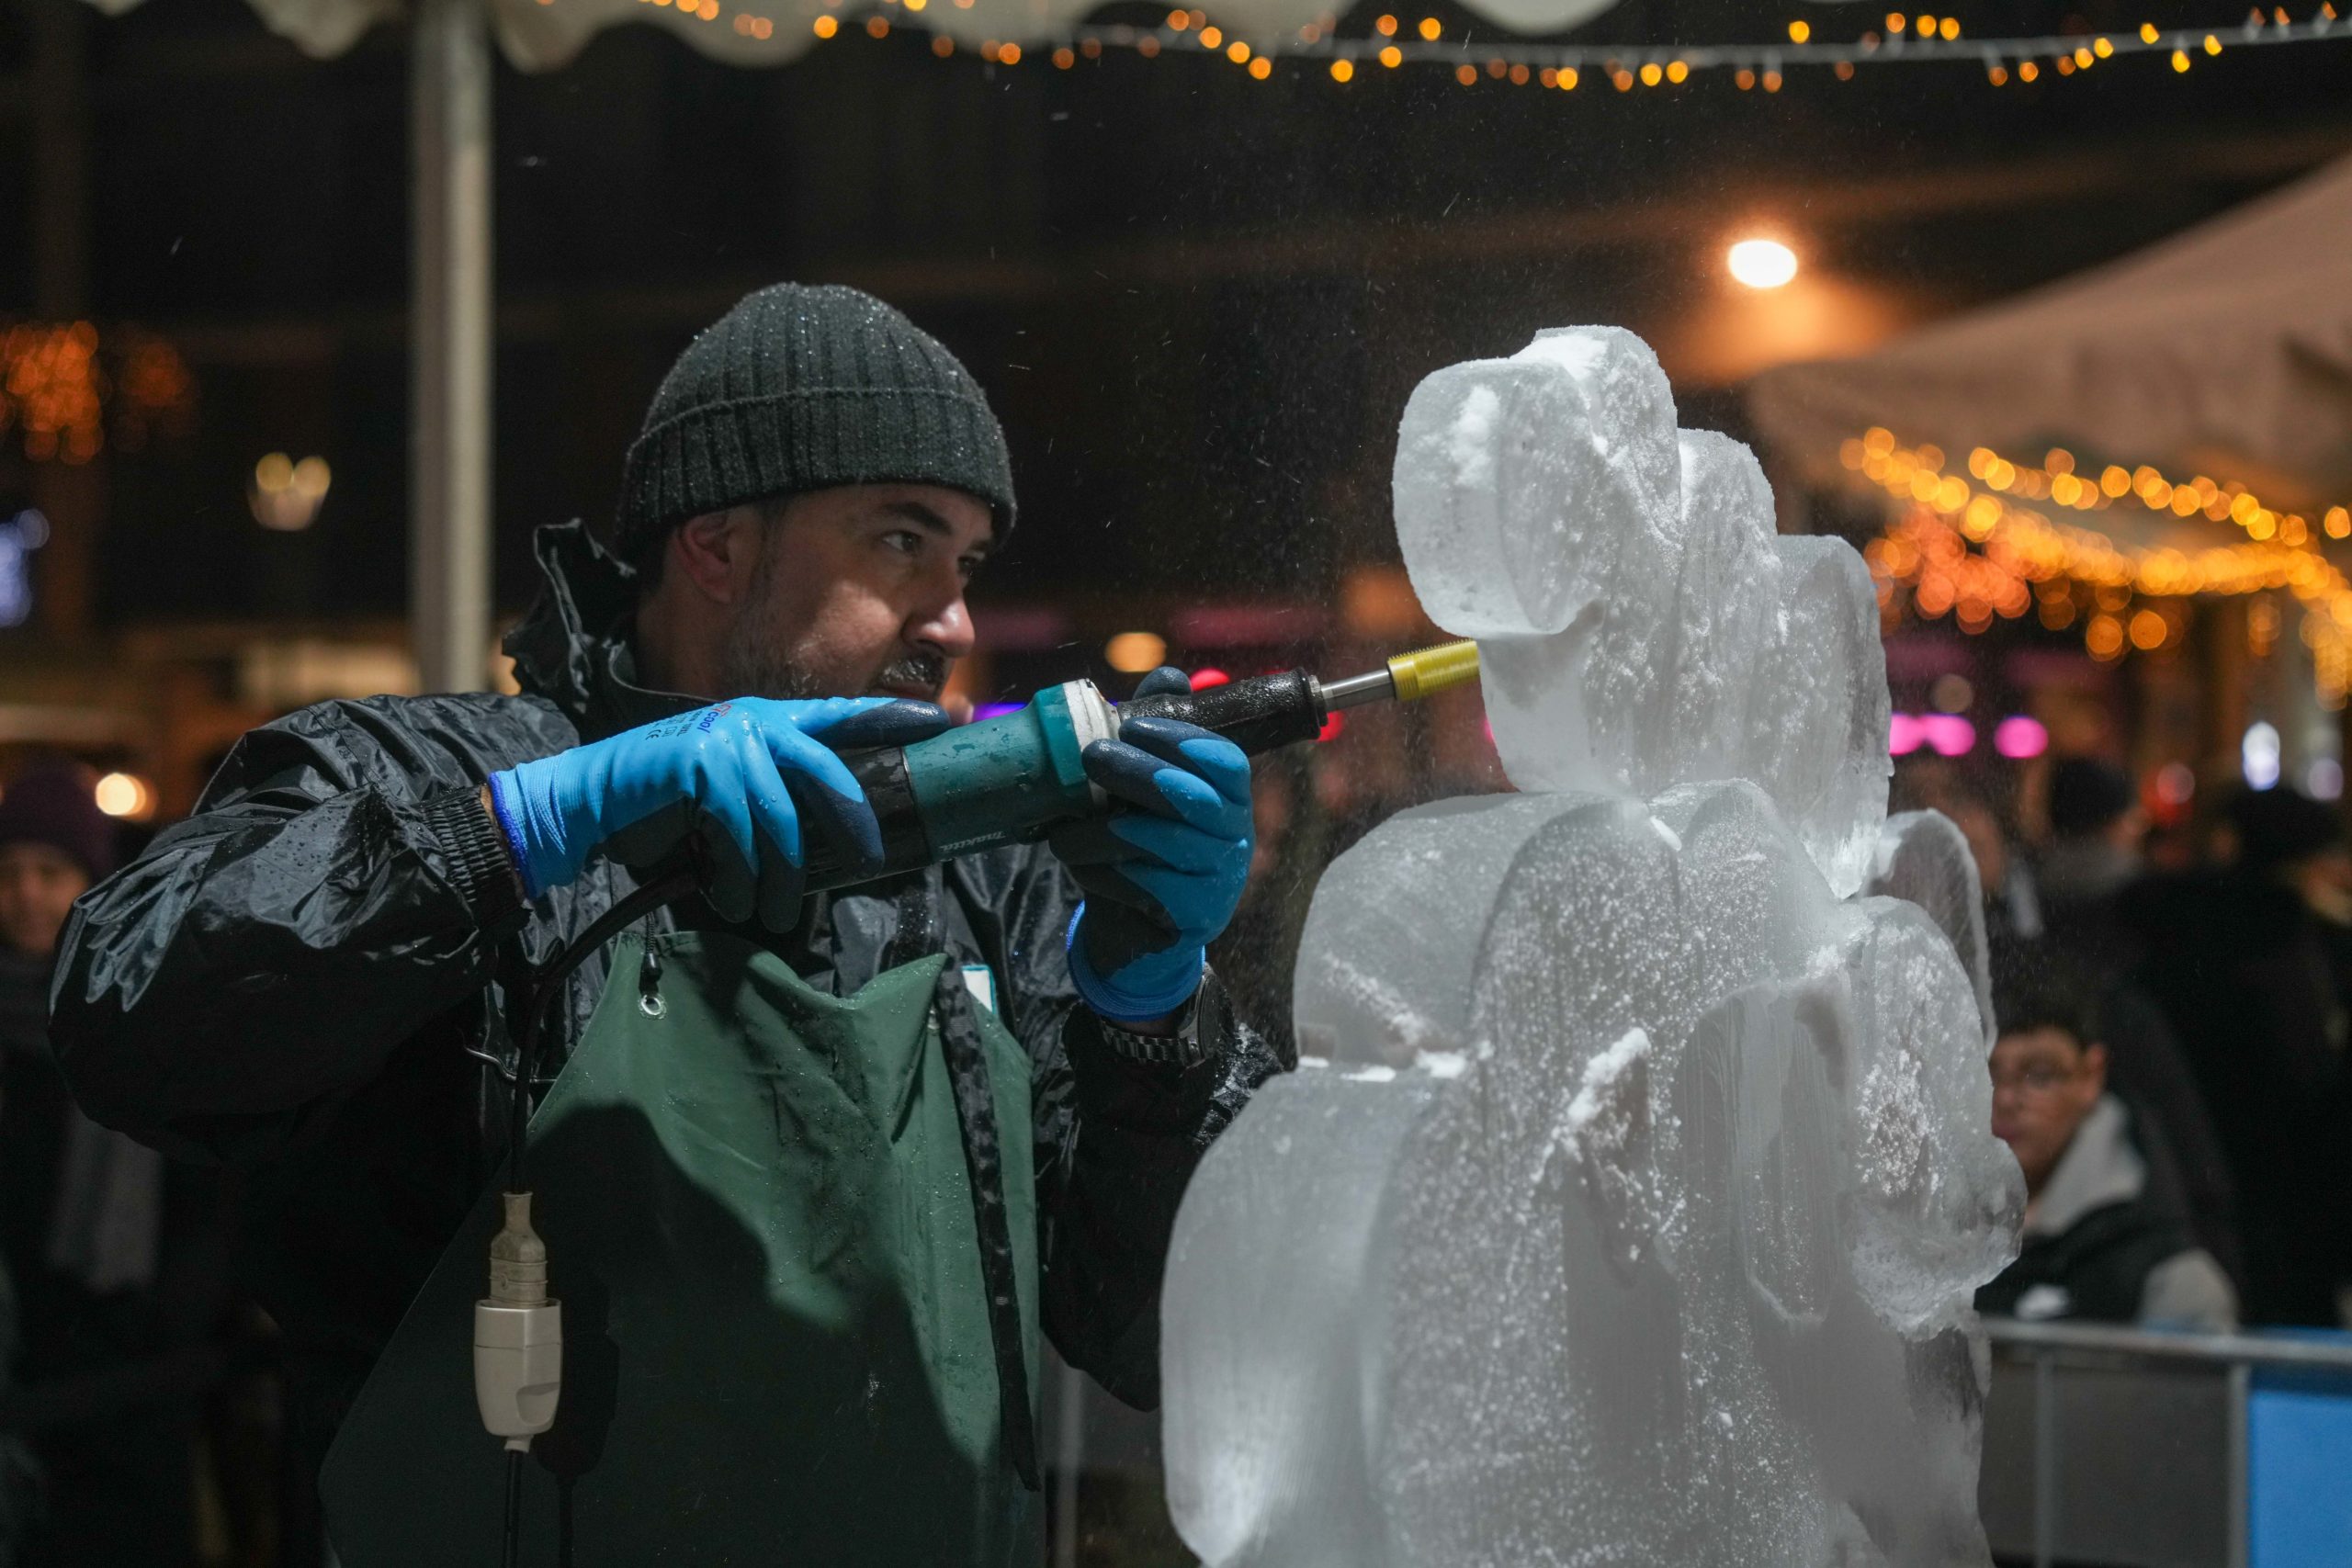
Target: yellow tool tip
x=1427, y=670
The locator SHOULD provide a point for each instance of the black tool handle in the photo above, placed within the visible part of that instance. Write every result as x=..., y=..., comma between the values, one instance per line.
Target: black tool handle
x=905, y=845
x=1257, y=714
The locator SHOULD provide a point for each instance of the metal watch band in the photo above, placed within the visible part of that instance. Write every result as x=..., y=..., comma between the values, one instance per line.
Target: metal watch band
x=1183, y=1048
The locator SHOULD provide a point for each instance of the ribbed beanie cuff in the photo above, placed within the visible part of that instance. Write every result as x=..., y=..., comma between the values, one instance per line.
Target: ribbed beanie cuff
x=799, y=388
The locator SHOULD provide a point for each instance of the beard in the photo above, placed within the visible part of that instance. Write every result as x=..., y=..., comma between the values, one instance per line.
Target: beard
x=759, y=658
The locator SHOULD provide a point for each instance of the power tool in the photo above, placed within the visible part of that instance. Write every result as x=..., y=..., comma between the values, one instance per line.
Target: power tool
x=1012, y=779
x=1002, y=781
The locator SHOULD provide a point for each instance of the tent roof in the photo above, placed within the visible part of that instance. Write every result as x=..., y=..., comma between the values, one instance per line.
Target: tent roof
x=543, y=35
x=2227, y=347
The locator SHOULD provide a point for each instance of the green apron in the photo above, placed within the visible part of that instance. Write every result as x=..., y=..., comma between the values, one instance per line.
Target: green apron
x=777, y=1339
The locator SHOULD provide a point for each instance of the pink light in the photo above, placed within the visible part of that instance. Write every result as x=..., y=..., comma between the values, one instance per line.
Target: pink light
x=985, y=711
x=1331, y=726
x=2019, y=738
x=1203, y=679
x=1903, y=734
x=1947, y=733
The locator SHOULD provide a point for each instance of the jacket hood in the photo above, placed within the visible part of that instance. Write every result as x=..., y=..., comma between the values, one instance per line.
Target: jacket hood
x=574, y=647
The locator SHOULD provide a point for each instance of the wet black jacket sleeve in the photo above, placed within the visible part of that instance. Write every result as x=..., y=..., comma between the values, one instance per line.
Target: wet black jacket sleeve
x=1117, y=1140
x=334, y=892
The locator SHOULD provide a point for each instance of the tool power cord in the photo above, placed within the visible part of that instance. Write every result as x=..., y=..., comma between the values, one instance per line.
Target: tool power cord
x=668, y=885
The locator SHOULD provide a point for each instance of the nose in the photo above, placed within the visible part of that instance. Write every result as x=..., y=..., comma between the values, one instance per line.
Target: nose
x=945, y=628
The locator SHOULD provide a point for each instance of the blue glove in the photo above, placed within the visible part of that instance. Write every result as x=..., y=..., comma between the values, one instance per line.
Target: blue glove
x=738, y=775
x=1164, y=871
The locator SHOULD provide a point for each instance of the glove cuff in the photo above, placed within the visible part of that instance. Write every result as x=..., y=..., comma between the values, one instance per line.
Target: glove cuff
x=1160, y=985
x=479, y=862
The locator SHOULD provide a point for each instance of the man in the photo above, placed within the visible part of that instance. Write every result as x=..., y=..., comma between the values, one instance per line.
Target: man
x=2106, y=1238
x=2248, y=963
x=305, y=974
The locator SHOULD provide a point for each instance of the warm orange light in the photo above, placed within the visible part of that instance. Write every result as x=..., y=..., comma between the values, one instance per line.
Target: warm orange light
x=1949, y=29
x=826, y=27
x=1386, y=27
x=2149, y=631
x=877, y=27
x=2147, y=32
x=2028, y=69
x=1466, y=74
x=1392, y=57
x=1518, y=75
x=1762, y=264
x=1429, y=28
x=1064, y=58
x=2180, y=60
x=943, y=46
x=1800, y=31
x=1677, y=72
x=124, y=794
x=1134, y=653
x=1567, y=78
x=1261, y=68
x=1744, y=79
x=1009, y=55
x=1771, y=81
x=1211, y=37
x=1343, y=70
x=1237, y=52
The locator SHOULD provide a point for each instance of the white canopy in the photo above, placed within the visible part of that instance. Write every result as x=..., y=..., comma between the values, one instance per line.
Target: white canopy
x=2227, y=348
x=543, y=35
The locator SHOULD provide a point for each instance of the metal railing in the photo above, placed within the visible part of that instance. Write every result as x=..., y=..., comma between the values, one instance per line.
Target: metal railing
x=2052, y=1349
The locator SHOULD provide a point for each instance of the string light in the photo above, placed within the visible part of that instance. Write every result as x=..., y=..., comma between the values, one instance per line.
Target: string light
x=1978, y=553
x=63, y=383
x=1924, y=40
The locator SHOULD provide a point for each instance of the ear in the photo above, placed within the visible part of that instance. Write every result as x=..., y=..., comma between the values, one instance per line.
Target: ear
x=715, y=551
x=2095, y=1069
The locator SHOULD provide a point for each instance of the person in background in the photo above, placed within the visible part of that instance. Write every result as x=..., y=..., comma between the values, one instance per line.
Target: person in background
x=2106, y=1237
x=80, y=1220
x=2097, y=828
x=2145, y=1067
x=2012, y=905
x=2249, y=964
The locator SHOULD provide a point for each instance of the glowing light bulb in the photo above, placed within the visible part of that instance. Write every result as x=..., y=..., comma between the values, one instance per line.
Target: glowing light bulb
x=1762, y=264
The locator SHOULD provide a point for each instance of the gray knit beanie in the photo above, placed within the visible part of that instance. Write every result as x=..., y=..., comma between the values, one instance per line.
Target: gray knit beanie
x=800, y=389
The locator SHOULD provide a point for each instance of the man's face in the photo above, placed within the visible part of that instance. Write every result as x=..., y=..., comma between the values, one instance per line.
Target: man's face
x=859, y=592
x=37, y=887
x=2044, y=1083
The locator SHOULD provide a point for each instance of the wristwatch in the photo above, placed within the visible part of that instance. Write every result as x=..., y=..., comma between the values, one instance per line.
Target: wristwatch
x=1183, y=1048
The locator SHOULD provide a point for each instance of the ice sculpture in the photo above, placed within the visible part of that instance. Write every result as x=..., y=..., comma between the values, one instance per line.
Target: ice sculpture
x=1635, y=1213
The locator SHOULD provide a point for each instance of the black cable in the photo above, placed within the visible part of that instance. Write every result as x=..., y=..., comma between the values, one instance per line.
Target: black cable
x=512, y=1553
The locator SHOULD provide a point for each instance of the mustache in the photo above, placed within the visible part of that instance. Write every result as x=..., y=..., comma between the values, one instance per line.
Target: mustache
x=923, y=671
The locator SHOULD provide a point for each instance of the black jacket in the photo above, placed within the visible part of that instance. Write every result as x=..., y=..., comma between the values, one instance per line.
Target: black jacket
x=301, y=977
x=2251, y=983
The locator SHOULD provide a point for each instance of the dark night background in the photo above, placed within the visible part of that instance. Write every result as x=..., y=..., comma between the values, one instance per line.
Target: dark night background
x=1199, y=300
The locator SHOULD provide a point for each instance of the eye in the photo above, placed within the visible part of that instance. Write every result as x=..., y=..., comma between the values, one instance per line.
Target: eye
x=970, y=565
x=906, y=541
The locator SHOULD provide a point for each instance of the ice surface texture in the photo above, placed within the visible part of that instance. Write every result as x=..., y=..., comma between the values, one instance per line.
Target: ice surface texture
x=1636, y=1217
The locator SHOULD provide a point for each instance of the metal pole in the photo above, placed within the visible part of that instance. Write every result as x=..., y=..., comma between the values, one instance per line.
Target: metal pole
x=2241, y=1458
x=449, y=346
x=2045, y=1464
